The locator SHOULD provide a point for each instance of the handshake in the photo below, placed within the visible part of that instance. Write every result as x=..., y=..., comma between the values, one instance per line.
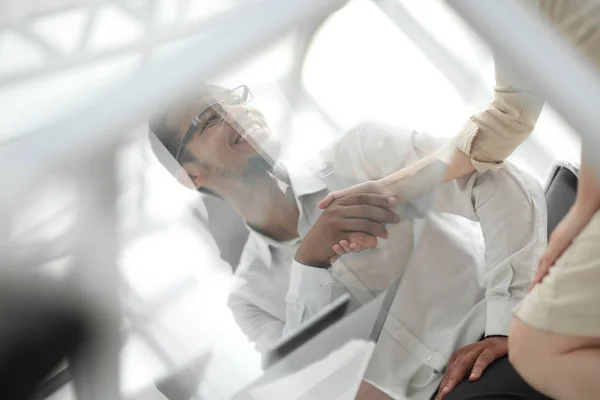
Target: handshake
x=350, y=223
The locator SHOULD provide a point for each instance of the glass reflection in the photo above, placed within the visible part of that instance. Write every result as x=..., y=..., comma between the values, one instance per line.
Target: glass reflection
x=427, y=274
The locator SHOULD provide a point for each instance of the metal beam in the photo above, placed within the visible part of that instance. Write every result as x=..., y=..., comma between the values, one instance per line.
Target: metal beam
x=100, y=124
x=468, y=82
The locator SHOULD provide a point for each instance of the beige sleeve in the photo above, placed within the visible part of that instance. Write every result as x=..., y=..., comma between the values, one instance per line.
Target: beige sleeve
x=490, y=136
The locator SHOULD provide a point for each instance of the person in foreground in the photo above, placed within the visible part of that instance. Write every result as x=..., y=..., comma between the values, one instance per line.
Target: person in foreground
x=555, y=339
x=452, y=309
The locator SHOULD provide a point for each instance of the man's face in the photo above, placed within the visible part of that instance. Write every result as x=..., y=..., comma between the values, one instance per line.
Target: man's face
x=222, y=141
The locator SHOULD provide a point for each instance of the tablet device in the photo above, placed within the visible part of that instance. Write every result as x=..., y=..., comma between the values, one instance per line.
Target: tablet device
x=328, y=316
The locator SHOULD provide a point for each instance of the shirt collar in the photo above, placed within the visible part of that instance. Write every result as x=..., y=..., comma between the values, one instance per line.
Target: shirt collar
x=306, y=181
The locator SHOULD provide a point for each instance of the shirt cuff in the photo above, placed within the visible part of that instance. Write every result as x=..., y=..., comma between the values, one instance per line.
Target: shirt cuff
x=305, y=280
x=464, y=142
x=499, y=316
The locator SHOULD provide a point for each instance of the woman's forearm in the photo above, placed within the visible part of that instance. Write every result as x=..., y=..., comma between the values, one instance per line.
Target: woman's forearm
x=421, y=176
x=460, y=165
x=588, y=190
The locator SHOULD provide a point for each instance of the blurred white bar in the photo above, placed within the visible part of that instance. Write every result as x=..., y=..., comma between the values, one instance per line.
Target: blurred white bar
x=467, y=81
x=96, y=369
x=562, y=75
x=242, y=33
x=154, y=38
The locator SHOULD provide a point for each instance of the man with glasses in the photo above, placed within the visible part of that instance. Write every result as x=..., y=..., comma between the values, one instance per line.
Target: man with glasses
x=453, y=306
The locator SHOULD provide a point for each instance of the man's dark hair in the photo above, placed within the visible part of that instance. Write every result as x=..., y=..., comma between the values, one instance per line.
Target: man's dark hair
x=164, y=137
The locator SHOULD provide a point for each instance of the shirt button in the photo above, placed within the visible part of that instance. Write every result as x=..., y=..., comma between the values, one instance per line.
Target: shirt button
x=429, y=358
x=327, y=285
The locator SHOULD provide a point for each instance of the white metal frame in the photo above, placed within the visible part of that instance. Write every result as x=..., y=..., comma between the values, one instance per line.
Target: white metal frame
x=91, y=137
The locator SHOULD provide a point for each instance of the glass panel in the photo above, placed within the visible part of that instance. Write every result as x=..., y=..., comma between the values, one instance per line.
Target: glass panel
x=398, y=83
x=229, y=282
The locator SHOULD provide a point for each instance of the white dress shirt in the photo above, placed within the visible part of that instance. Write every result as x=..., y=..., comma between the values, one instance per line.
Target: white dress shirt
x=460, y=280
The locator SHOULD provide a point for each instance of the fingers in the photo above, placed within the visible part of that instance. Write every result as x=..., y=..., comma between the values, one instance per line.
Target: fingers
x=379, y=200
x=486, y=357
x=339, y=250
x=323, y=204
x=447, y=386
x=558, y=244
x=365, y=226
x=331, y=197
x=362, y=240
x=553, y=252
x=373, y=213
x=365, y=187
x=454, y=377
x=540, y=272
x=357, y=247
x=346, y=246
x=456, y=372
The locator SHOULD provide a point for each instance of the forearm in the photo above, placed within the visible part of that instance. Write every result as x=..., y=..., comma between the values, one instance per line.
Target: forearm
x=460, y=166
x=588, y=191
x=441, y=166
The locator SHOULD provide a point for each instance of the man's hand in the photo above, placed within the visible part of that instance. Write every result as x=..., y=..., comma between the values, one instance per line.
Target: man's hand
x=358, y=218
x=471, y=361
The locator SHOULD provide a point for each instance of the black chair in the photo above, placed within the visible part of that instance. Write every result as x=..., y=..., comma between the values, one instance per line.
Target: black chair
x=561, y=191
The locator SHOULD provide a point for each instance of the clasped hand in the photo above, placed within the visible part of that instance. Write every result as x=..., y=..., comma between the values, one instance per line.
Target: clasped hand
x=358, y=218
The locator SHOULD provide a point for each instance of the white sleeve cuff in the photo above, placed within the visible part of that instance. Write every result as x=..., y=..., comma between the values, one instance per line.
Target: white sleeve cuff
x=499, y=316
x=310, y=283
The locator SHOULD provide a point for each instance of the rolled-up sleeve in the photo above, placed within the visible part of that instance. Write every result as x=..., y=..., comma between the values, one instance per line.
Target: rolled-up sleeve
x=490, y=136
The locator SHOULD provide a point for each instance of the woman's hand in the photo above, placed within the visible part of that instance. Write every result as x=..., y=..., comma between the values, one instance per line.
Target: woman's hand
x=586, y=205
x=370, y=187
x=358, y=218
x=405, y=184
x=345, y=247
x=560, y=239
x=412, y=180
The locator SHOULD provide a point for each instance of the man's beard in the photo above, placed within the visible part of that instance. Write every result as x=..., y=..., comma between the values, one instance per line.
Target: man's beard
x=264, y=161
x=257, y=167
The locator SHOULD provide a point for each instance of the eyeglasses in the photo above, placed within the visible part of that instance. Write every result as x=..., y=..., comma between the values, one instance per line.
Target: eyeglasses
x=213, y=114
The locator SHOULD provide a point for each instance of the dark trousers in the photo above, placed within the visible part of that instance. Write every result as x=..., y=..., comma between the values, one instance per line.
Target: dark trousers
x=500, y=381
